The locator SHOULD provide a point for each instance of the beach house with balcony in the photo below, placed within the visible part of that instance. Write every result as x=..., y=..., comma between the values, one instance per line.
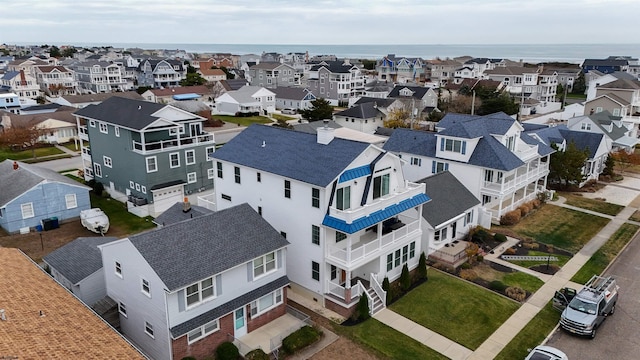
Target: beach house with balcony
x=336, y=81
x=99, y=77
x=345, y=206
x=161, y=73
x=491, y=155
x=149, y=155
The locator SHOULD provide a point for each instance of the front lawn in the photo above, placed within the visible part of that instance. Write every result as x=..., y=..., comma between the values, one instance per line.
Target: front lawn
x=460, y=311
x=525, y=281
x=531, y=335
x=596, y=205
x=243, y=121
x=282, y=117
x=121, y=222
x=388, y=342
x=6, y=153
x=561, y=227
x=601, y=259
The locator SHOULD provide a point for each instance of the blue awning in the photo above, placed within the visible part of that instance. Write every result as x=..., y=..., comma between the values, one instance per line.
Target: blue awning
x=185, y=97
x=355, y=173
x=376, y=217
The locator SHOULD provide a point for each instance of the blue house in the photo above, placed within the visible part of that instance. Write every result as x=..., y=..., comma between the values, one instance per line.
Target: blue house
x=31, y=194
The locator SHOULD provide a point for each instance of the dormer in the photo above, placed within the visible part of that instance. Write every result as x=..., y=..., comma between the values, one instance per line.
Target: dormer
x=406, y=92
x=455, y=148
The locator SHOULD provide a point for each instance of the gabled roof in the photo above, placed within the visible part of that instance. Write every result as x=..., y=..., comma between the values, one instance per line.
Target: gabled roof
x=10, y=75
x=234, y=84
x=133, y=114
x=267, y=65
x=292, y=154
x=626, y=84
x=474, y=125
x=188, y=251
x=511, y=70
x=380, y=102
x=290, y=92
x=418, y=91
x=79, y=258
x=216, y=72
x=611, y=96
x=362, y=111
x=245, y=94
x=176, y=214
x=334, y=67
x=29, y=120
x=79, y=99
x=449, y=198
x=48, y=69
x=197, y=89
x=17, y=182
x=583, y=140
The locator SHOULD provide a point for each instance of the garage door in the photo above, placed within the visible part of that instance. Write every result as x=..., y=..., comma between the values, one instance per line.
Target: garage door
x=166, y=197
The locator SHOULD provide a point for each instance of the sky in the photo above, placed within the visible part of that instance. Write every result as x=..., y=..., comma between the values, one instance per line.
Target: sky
x=320, y=22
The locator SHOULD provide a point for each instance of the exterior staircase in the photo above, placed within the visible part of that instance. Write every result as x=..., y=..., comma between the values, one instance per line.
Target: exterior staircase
x=107, y=308
x=378, y=304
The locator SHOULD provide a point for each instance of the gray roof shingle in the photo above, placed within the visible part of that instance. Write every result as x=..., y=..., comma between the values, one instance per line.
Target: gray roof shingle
x=133, y=114
x=175, y=214
x=363, y=111
x=194, y=249
x=79, y=258
x=293, y=154
x=418, y=91
x=290, y=92
x=449, y=198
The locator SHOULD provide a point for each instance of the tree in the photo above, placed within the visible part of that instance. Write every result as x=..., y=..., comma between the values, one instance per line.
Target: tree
x=368, y=64
x=192, y=79
x=422, y=267
x=565, y=167
x=609, y=165
x=320, y=109
x=405, y=278
x=624, y=159
x=580, y=85
x=560, y=92
x=502, y=102
x=142, y=89
x=20, y=138
x=191, y=69
x=397, y=118
x=362, y=309
x=229, y=74
x=54, y=51
x=386, y=286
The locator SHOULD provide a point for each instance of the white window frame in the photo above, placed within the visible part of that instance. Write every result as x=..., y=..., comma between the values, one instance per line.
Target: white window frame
x=118, y=269
x=27, y=210
x=203, y=331
x=172, y=157
x=92, y=123
x=208, y=151
x=131, y=184
x=71, y=201
x=192, y=177
x=104, y=128
x=116, y=130
x=145, y=287
x=148, y=329
x=97, y=170
x=155, y=164
x=143, y=189
x=276, y=298
x=262, y=264
x=122, y=309
x=211, y=173
x=107, y=161
x=200, y=286
x=193, y=157
x=137, y=187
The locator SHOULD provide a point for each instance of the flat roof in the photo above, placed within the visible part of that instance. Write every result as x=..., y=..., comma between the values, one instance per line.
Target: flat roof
x=45, y=321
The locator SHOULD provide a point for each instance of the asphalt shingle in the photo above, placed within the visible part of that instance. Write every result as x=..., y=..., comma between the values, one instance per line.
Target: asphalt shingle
x=449, y=198
x=79, y=258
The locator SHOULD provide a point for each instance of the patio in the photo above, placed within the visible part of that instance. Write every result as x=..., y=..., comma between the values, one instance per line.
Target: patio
x=269, y=337
x=453, y=255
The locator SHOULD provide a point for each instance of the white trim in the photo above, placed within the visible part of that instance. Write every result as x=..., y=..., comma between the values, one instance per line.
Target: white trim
x=265, y=271
x=203, y=331
x=116, y=130
x=199, y=293
x=71, y=198
x=122, y=307
x=186, y=157
x=106, y=127
x=148, y=329
x=118, y=269
x=147, y=292
x=192, y=178
x=256, y=303
x=107, y=161
x=177, y=157
x=211, y=173
x=155, y=163
x=30, y=211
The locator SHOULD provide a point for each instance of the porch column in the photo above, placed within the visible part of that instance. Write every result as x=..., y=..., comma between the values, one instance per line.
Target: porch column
x=348, y=248
x=347, y=288
x=143, y=145
x=513, y=200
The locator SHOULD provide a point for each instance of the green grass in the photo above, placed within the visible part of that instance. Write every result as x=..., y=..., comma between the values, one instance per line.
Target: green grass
x=243, y=121
x=72, y=146
x=522, y=280
x=562, y=259
x=6, y=153
x=563, y=228
x=531, y=335
x=456, y=309
x=119, y=217
x=387, y=342
x=601, y=259
x=282, y=117
x=592, y=204
x=576, y=96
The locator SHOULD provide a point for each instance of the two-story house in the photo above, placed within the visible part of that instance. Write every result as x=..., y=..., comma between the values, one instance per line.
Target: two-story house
x=161, y=73
x=399, y=69
x=345, y=206
x=620, y=97
x=336, y=81
x=417, y=100
x=22, y=83
x=443, y=71
x=621, y=135
x=10, y=102
x=99, y=77
x=183, y=289
x=149, y=155
x=56, y=80
x=274, y=74
x=524, y=83
x=293, y=97
x=491, y=155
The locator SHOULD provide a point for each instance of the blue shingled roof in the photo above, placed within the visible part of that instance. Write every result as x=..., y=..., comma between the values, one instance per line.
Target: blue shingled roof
x=491, y=153
x=412, y=142
x=355, y=173
x=376, y=217
x=293, y=154
x=543, y=149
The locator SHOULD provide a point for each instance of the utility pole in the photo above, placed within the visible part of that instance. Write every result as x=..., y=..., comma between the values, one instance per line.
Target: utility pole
x=473, y=103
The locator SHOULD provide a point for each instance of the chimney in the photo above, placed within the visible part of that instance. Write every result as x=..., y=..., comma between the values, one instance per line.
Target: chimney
x=325, y=133
x=186, y=205
x=15, y=165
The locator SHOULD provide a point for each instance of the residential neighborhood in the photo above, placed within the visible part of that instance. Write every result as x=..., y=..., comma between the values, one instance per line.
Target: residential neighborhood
x=251, y=197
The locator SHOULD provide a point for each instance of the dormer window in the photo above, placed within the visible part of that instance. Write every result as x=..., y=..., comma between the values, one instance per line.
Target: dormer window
x=453, y=145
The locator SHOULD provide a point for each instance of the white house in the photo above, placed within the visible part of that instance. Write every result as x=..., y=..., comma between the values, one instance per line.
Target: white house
x=491, y=155
x=365, y=117
x=184, y=288
x=351, y=216
x=247, y=99
x=619, y=133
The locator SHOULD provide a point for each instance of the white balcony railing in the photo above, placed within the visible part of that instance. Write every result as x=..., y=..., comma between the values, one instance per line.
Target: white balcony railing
x=82, y=133
x=339, y=291
x=408, y=191
x=361, y=253
x=518, y=181
x=162, y=145
x=527, y=153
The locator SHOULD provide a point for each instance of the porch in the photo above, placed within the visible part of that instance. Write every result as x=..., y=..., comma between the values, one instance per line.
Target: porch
x=453, y=255
x=523, y=175
x=347, y=296
x=146, y=147
x=505, y=204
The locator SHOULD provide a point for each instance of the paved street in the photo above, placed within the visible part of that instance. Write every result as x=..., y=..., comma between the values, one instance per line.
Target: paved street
x=62, y=164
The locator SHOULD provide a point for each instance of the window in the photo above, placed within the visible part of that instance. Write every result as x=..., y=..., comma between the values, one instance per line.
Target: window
x=118, y=269
x=380, y=186
x=486, y=199
x=137, y=187
x=143, y=189
x=209, y=153
x=284, y=234
x=599, y=109
x=488, y=175
x=452, y=145
x=511, y=142
x=454, y=228
x=190, y=157
x=390, y=262
x=436, y=235
x=148, y=328
x=191, y=178
x=412, y=250
x=315, y=197
x=174, y=160
x=258, y=177
x=131, y=184
x=122, y=309
x=97, y=169
x=199, y=292
x=260, y=210
x=145, y=288
x=104, y=128
x=116, y=130
x=266, y=303
x=107, y=161
x=219, y=167
x=616, y=112
x=27, y=210
x=264, y=264
x=92, y=123
x=315, y=271
x=405, y=253
x=202, y=331
x=152, y=164
x=468, y=219
x=210, y=173
x=287, y=189
x=416, y=161
x=397, y=258
x=236, y=171
x=226, y=197
x=334, y=272
x=585, y=126
x=343, y=195
x=340, y=236
x=315, y=235
x=71, y=201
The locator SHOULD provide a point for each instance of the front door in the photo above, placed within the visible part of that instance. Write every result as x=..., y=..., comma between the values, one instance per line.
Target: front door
x=240, y=324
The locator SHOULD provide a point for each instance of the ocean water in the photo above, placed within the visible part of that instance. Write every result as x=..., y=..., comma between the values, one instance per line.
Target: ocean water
x=574, y=53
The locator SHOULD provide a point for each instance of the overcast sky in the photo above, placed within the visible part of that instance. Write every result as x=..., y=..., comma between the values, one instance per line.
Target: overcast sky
x=320, y=21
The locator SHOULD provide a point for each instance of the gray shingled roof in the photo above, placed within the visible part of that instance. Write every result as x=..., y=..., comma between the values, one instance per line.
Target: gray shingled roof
x=17, y=182
x=363, y=111
x=334, y=67
x=312, y=126
x=79, y=258
x=449, y=198
x=175, y=214
x=290, y=92
x=191, y=250
x=292, y=154
x=418, y=91
x=129, y=113
x=583, y=140
x=78, y=99
x=380, y=102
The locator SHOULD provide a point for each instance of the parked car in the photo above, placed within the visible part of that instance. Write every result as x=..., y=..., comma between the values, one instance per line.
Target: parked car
x=95, y=220
x=546, y=353
x=289, y=111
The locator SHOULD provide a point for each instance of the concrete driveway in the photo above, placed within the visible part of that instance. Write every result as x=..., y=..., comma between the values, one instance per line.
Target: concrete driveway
x=621, y=192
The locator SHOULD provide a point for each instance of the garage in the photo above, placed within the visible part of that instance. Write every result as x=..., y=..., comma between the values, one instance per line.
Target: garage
x=166, y=195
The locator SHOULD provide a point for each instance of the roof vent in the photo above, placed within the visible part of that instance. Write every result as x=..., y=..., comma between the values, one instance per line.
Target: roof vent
x=186, y=205
x=15, y=165
x=264, y=143
x=139, y=107
x=3, y=317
